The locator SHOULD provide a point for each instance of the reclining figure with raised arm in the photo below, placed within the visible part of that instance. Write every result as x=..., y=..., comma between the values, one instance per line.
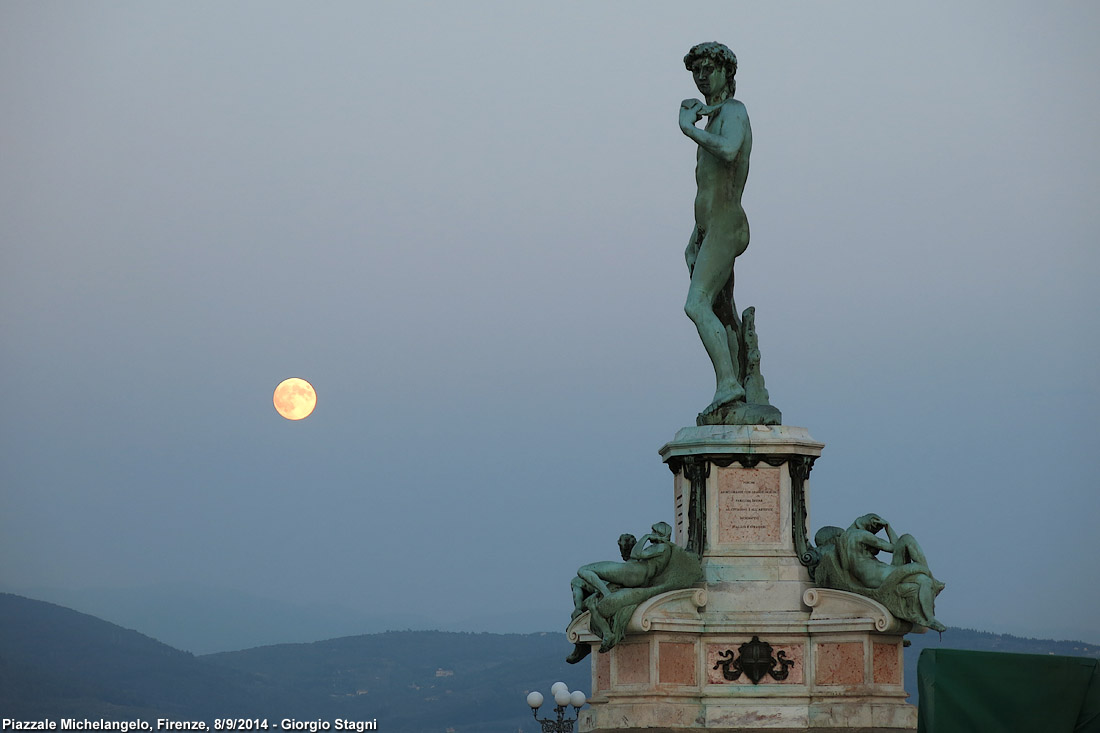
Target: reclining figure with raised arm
x=611, y=591
x=904, y=585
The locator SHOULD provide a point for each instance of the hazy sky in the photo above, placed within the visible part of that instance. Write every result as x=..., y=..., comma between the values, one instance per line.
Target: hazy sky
x=464, y=223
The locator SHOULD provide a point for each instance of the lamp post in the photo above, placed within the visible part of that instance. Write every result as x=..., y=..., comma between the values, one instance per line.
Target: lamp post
x=563, y=698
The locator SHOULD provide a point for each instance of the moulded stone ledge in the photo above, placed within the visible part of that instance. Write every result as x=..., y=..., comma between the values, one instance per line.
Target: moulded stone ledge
x=662, y=715
x=828, y=605
x=781, y=716
x=676, y=609
x=758, y=622
x=863, y=714
x=723, y=439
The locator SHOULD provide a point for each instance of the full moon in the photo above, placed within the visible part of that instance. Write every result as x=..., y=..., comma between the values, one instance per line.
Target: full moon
x=295, y=398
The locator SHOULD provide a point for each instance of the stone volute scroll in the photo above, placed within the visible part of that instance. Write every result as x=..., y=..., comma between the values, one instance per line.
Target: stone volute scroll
x=828, y=604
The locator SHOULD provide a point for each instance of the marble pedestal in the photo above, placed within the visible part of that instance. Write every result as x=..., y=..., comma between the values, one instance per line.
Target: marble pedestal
x=823, y=660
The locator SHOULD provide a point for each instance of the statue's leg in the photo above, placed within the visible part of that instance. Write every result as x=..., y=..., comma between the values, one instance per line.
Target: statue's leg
x=906, y=550
x=726, y=310
x=713, y=268
x=597, y=624
x=630, y=574
x=580, y=590
x=589, y=576
x=691, y=252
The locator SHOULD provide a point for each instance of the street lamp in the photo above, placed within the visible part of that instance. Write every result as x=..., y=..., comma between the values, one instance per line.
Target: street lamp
x=563, y=698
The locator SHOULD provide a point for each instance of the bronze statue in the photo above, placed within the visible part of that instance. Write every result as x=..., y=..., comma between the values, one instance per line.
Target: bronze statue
x=720, y=235
x=610, y=591
x=904, y=585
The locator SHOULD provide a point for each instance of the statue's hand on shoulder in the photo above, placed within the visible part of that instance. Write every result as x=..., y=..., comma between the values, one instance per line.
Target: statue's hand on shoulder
x=691, y=111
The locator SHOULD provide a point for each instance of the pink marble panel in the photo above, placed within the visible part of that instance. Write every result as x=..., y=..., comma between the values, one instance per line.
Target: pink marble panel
x=632, y=664
x=840, y=663
x=793, y=652
x=748, y=504
x=886, y=663
x=602, y=663
x=676, y=662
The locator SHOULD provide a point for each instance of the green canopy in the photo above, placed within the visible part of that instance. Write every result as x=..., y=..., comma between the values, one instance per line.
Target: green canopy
x=974, y=692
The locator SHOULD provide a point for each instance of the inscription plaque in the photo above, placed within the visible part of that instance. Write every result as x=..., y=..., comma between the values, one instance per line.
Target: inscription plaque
x=748, y=505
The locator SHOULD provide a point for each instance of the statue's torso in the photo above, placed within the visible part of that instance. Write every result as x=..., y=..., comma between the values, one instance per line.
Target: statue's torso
x=718, y=201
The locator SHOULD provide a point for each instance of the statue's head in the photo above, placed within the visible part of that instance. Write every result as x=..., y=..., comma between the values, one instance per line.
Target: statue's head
x=827, y=536
x=704, y=56
x=626, y=545
x=662, y=529
x=870, y=522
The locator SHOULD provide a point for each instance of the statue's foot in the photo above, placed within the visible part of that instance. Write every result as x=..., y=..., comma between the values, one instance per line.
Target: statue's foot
x=741, y=413
x=725, y=396
x=580, y=651
x=606, y=647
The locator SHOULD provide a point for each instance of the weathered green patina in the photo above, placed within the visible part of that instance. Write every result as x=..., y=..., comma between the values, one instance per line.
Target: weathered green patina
x=905, y=585
x=611, y=591
x=720, y=235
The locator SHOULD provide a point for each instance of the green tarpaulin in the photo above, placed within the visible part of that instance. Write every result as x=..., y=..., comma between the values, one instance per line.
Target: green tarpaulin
x=975, y=692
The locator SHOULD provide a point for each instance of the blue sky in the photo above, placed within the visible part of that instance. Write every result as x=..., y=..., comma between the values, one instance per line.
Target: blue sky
x=464, y=224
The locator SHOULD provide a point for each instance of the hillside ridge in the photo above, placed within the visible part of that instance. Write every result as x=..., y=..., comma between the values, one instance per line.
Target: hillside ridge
x=56, y=662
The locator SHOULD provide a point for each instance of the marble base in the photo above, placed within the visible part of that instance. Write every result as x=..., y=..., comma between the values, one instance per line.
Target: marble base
x=741, y=495
x=843, y=658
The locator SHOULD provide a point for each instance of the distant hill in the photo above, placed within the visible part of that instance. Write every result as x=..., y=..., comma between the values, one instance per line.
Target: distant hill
x=419, y=680
x=55, y=662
